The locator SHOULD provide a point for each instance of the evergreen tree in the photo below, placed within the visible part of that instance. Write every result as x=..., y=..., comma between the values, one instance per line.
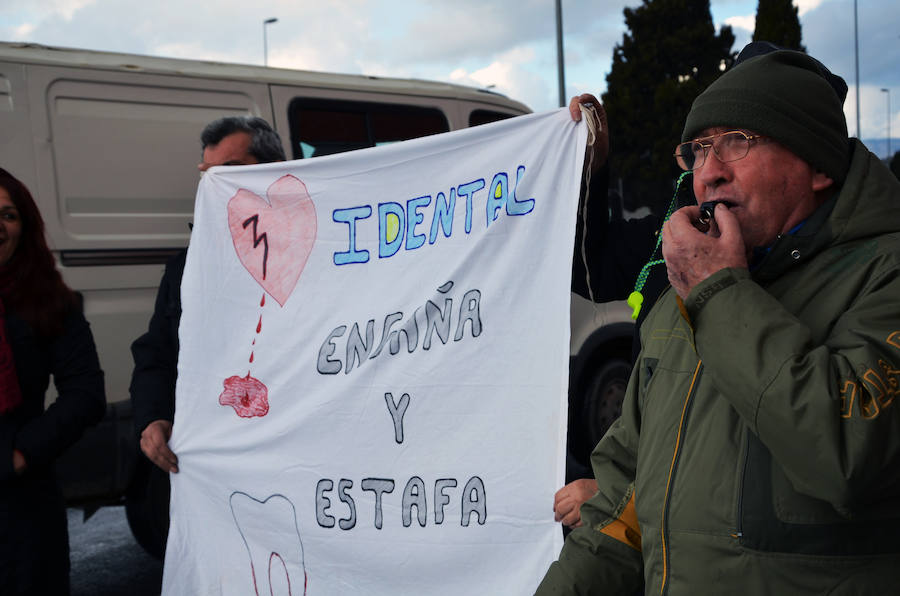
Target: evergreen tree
x=669, y=55
x=777, y=21
x=895, y=165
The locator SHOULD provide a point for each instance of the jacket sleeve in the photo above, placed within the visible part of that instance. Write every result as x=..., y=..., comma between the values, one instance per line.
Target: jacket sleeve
x=824, y=406
x=81, y=400
x=155, y=353
x=603, y=556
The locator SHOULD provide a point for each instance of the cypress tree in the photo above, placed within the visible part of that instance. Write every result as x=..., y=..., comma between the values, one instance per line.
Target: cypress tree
x=669, y=54
x=777, y=21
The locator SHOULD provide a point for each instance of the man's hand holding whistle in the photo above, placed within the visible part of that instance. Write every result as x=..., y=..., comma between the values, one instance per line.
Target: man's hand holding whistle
x=698, y=242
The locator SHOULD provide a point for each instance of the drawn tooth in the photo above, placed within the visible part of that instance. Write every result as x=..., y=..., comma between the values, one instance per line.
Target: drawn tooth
x=272, y=538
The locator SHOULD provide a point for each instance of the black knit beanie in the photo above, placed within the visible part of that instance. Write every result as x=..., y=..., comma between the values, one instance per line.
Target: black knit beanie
x=786, y=95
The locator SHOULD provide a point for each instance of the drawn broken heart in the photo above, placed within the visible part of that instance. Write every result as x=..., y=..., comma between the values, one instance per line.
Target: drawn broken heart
x=273, y=238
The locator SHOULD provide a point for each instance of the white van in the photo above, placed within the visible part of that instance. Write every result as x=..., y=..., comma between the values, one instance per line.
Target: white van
x=108, y=144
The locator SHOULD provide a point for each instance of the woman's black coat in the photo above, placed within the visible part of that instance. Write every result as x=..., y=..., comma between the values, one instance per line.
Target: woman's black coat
x=34, y=550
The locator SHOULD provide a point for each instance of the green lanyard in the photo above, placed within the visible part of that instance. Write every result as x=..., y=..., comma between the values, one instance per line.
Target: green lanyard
x=636, y=299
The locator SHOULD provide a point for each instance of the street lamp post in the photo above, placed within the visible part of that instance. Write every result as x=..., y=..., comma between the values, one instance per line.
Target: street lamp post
x=888, y=93
x=560, y=63
x=856, y=55
x=266, y=40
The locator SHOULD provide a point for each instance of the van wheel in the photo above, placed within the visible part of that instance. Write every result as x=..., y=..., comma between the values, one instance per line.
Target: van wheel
x=147, y=507
x=603, y=395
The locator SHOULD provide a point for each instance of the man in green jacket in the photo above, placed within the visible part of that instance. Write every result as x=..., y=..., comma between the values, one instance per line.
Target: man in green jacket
x=758, y=451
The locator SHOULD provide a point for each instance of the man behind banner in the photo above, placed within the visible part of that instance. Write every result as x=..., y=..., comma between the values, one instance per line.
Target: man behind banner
x=233, y=140
x=758, y=450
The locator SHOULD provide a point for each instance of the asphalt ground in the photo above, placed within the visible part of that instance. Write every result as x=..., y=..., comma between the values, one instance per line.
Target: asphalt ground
x=106, y=560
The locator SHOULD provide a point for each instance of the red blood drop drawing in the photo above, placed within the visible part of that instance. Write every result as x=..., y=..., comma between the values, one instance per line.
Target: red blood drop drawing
x=248, y=396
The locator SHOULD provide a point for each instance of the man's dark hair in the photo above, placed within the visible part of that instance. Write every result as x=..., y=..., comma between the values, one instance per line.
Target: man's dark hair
x=265, y=144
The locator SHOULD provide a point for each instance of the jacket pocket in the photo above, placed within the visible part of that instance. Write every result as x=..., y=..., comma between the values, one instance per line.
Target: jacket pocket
x=774, y=518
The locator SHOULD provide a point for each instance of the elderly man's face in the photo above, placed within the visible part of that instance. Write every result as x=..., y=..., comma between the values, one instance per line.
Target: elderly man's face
x=232, y=150
x=772, y=189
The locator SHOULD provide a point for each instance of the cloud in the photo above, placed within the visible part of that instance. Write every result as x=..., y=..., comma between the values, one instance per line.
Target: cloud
x=20, y=21
x=804, y=6
x=467, y=33
x=879, y=52
x=229, y=30
x=428, y=39
x=37, y=10
x=508, y=43
x=68, y=8
x=326, y=36
x=509, y=74
x=192, y=50
x=23, y=31
x=459, y=32
x=746, y=23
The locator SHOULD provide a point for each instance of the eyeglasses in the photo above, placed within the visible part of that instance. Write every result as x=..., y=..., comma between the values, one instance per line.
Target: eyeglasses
x=729, y=146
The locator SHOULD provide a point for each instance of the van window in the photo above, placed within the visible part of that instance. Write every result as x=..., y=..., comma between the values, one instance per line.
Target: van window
x=486, y=116
x=322, y=127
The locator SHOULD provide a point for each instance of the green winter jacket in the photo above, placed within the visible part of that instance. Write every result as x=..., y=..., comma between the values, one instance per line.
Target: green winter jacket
x=758, y=450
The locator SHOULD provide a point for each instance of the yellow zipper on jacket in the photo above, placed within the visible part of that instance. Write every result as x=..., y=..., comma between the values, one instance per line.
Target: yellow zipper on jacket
x=672, y=466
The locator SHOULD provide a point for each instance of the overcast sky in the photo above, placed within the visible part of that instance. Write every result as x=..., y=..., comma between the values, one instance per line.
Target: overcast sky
x=507, y=44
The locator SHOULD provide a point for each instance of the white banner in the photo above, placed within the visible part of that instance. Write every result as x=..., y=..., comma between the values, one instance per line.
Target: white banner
x=374, y=356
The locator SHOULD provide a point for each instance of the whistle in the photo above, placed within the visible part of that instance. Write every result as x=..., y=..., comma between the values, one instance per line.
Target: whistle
x=708, y=208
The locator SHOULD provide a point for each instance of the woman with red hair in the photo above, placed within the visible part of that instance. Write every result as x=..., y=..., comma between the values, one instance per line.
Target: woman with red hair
x=43, y=332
